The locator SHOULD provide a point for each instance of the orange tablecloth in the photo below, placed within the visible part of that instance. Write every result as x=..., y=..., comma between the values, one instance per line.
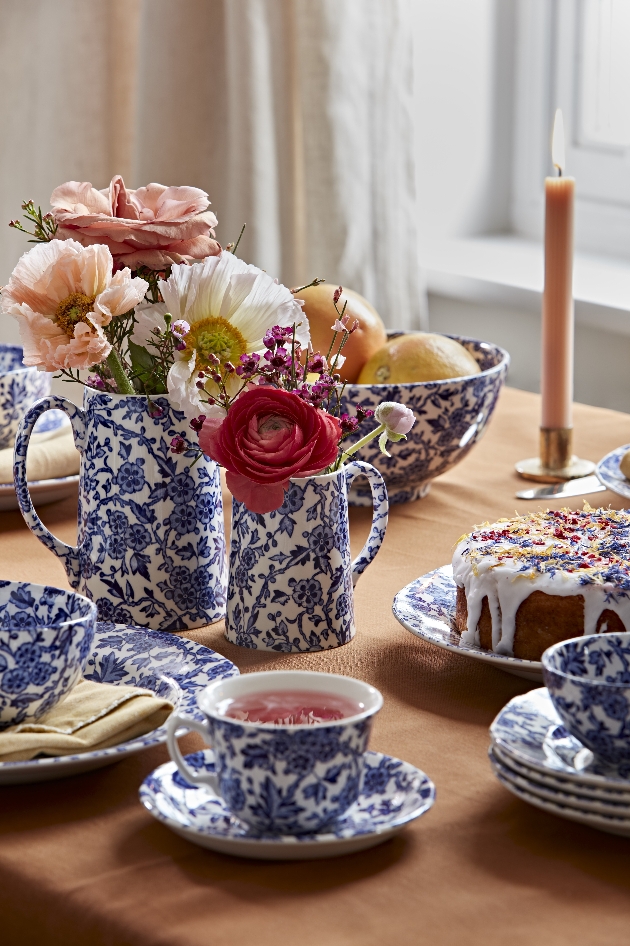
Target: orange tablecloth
x=82, y=862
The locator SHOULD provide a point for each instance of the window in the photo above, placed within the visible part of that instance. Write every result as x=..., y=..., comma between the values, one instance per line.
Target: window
x=575, y=54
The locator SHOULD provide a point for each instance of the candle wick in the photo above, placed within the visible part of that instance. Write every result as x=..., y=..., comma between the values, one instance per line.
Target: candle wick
x=559, y=170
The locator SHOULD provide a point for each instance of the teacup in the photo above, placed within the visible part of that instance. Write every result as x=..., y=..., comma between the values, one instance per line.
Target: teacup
x=46, y=638
x=20, y=387
x=588, y=679
x=282, y=778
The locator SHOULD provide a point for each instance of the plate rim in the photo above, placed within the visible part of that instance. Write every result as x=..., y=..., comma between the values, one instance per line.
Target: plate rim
x=466, y=650
x=605, y=480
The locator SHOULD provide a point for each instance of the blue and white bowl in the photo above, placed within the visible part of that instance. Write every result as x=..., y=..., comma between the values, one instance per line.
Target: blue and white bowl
x=588, y=679
x=20, y=387
x=451, y=416
x=45, y=640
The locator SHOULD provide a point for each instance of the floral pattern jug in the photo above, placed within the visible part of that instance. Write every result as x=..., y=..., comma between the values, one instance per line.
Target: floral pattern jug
x=291, y=578
x=151, y=542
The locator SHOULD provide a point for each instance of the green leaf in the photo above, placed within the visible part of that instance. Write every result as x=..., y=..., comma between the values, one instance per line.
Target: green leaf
x=143, y=366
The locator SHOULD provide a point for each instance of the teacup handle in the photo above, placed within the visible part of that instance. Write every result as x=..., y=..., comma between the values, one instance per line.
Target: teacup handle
x=379, y=516
x=175, y=722
x=69, y=554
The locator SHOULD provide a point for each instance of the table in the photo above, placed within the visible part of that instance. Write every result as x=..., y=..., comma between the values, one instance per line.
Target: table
x=82, y=862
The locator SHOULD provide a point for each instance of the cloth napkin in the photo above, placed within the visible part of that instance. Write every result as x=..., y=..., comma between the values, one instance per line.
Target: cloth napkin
x=92, y=716
x=49, y=455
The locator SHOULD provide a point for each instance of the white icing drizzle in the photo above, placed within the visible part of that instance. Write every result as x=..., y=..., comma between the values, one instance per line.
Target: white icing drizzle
x=560, y=553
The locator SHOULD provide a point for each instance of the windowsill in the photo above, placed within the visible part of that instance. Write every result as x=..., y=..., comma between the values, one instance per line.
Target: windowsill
x=508, y=271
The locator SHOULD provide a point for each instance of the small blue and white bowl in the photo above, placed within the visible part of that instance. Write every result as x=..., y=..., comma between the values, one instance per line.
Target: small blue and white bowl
x=20, y=387
x=46, y=638
x=588, y=679
x=451, y=416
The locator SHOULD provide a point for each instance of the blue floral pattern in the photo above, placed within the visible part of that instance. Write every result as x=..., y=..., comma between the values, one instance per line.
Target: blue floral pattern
x=45, y=639
x=291, y=579
x=151, y=547
x=609, y=472
x=589, y=684
x=426, y=607
x=390, y=794
x=20, y=387
x=451, y=416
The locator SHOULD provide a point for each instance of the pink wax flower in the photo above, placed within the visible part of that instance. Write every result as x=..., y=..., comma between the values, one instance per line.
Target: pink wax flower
x=153, y=226
x=62, y=295
x=268, y=436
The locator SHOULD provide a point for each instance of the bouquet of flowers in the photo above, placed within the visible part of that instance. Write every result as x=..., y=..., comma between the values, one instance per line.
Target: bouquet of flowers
x=133, y=286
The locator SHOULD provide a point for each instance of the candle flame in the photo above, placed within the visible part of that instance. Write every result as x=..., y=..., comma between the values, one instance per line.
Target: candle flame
x=557, y=141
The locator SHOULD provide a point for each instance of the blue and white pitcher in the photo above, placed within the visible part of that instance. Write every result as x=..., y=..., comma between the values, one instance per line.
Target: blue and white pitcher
x=291, y=578
x=151, y=541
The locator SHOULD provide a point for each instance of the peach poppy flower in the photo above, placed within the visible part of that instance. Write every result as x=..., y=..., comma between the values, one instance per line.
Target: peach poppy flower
x=153, y=226
x=62, y=295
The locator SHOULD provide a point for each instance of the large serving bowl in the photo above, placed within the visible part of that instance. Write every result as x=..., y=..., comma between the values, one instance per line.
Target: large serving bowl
x=451, y=416
x=46, y=638
x=20, y=387
x=588, y=679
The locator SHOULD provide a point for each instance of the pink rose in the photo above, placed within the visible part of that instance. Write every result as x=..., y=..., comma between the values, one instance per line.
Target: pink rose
x=267, y=437
x=153, y=226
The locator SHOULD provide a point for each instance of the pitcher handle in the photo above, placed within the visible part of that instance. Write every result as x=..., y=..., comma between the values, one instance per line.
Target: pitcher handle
x=379, y=516
x=69, y=554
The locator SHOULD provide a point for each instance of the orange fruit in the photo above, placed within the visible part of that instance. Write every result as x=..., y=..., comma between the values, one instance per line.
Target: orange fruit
x=420, y=356
x=320, y=312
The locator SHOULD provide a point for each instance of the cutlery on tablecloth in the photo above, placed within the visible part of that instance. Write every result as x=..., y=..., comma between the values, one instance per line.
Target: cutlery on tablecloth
x=578, y=487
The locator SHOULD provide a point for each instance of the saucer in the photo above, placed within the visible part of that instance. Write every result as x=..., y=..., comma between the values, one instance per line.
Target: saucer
x=393, y=793
x=529, y=730
x=617, y=809
x=610, y=475
x=426, y=607
x=173, y=667
x=611, y=825
x=42, y=491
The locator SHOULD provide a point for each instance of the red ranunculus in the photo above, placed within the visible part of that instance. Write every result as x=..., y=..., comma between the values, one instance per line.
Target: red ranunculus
x=267, y=437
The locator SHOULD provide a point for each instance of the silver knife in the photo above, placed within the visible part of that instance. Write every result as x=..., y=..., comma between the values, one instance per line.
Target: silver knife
x=578, y=487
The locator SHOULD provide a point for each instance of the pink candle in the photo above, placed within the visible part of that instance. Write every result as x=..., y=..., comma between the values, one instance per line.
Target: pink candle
x=557, y=308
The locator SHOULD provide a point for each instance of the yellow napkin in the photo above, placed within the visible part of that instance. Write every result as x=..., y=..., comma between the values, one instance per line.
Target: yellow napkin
x=49, y=456
x=92, y=716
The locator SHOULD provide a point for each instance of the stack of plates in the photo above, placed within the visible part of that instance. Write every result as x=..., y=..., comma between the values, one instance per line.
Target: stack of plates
x=536, y=759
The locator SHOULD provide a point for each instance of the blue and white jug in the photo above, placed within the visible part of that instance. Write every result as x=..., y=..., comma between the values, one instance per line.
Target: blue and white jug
x=151, y=542
x=291, y=576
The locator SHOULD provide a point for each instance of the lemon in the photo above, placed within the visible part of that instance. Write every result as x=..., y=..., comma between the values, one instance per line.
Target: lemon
x=421, y=356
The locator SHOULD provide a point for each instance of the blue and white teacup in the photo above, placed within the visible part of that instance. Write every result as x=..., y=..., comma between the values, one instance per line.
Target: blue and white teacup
x=278, y=778
x=46, y=638
x=588, y=679
x=20, y=387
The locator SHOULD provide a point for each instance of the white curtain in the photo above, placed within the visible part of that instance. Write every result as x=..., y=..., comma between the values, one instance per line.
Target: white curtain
x=294, y=115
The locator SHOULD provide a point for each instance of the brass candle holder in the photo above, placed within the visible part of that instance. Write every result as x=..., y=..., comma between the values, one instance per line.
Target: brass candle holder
x=556, y=462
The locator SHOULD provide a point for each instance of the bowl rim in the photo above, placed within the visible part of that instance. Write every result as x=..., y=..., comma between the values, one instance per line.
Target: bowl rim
x=92, y=613
x=502, y=353
x=551, y=651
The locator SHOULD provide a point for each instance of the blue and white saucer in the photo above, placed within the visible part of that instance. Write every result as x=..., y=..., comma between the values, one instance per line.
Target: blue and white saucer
x=529, y=731
x=42, y=491
x=426, y=607
x=175, y=668
x=393, y=793
x=610, y=475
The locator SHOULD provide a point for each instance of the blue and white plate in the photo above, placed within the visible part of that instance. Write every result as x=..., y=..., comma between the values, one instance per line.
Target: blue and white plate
x=529, y=730
x=571, y=799
x=175, y=668
x=610, y=475
x=608, y=823
x=426, y=607
x=393, y=793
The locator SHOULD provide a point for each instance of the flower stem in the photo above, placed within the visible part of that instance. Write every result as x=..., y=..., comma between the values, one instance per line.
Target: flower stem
x=360, y=443
x=115, y=365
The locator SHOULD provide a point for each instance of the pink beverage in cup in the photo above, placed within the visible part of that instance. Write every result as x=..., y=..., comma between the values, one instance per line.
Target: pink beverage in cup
x=290, y=707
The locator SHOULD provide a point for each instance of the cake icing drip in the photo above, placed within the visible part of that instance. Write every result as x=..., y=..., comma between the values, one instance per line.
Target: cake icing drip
x=559, y=552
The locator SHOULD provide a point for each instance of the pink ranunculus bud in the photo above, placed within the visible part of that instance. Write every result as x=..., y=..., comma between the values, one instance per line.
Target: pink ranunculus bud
x=396, y=417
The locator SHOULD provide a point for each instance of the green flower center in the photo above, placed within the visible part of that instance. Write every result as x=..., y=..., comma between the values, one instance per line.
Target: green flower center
x=215, y=336
x=73, y=309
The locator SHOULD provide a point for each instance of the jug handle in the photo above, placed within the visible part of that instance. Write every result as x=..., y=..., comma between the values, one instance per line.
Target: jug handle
x=69, y=554
x=379, y=515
